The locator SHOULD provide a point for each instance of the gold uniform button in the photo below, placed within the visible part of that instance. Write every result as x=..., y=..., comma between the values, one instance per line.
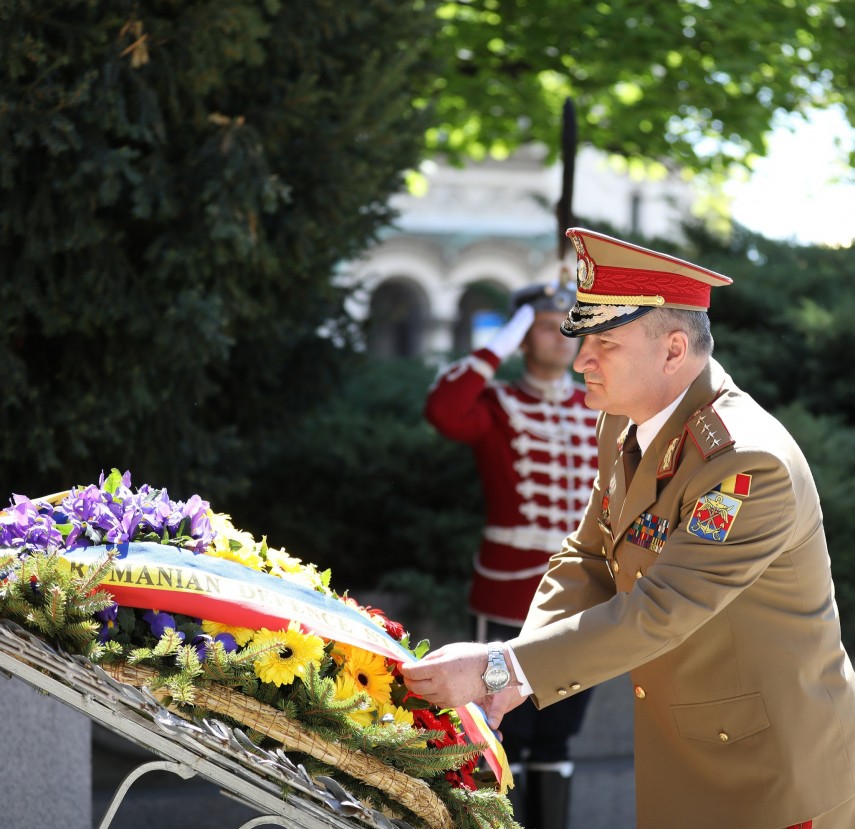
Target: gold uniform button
x=604, y=550
x=723, y=736
x=562, y=692
x=575, y=686
x=616, y=567
x=640, y=692
x=639, y=574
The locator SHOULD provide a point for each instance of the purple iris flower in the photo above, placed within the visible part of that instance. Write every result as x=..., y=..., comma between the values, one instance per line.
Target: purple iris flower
x=125, y=529
x=107, y=617
x=203, y=641
x=160, y=622
x=92, y=514
x=200, y=523
x=154, y=508
x=24, y=526
x=191, y=519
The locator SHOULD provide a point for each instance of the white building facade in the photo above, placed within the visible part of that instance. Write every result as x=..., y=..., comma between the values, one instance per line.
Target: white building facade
x=483, y=231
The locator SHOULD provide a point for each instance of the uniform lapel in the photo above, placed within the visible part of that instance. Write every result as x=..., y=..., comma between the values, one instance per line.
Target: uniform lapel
x=643, y=491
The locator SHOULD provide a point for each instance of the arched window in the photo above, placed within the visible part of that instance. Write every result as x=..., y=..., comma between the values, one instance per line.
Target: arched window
x=397, y=320
x=482, y=305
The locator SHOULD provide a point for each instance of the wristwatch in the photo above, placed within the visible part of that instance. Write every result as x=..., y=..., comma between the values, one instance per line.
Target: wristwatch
x=497, y=676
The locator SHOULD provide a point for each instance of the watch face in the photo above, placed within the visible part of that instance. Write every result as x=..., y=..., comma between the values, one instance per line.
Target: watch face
x=496, y=677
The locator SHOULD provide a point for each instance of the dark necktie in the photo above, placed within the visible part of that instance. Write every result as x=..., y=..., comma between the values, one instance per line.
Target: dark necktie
x=631, y=454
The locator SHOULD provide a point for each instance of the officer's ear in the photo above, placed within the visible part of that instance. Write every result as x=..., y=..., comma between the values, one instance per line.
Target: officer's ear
x=678, y=351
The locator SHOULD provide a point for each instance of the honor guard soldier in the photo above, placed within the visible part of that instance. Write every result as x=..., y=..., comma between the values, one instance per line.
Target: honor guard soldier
x=535, y=447
x=700, y=567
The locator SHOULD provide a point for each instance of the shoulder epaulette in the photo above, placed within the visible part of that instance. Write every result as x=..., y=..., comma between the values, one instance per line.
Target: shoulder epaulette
x=708, y=431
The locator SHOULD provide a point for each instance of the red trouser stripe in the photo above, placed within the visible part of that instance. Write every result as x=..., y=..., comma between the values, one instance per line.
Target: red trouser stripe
x=808, y=824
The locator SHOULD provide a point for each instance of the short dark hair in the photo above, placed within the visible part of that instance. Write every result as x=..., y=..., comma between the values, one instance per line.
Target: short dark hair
x=696, y=324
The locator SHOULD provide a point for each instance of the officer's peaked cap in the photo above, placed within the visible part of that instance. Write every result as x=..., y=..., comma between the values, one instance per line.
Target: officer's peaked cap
x=617, y=282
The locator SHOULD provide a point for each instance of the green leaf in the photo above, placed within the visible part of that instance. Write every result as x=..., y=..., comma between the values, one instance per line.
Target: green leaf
x=113, y=481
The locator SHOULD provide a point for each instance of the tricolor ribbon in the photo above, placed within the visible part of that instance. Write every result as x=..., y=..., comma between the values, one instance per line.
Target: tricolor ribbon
x=157, y=576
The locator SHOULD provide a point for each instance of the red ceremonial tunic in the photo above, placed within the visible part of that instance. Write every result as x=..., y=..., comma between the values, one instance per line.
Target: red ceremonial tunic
x=536, y=452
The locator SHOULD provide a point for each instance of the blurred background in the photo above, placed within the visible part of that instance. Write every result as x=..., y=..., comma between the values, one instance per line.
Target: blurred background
x=238, y=240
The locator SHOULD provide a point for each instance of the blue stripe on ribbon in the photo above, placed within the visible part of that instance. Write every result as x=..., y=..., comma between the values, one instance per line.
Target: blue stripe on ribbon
x=249, y=588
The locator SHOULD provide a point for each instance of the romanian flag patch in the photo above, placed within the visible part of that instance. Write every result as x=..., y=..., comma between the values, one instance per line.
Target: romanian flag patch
x=714, y=516
x=736, y=485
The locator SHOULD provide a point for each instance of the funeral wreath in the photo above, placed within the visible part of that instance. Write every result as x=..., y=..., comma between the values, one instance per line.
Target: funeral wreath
x=216, y=623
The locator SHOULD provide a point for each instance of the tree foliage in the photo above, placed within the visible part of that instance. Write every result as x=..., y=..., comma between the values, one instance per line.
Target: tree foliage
x=783, y=331
x=692, y=81
x=368, y=487
x=178, y=181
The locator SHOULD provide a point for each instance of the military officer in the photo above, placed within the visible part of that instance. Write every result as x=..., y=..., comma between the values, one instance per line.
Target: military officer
x=700, y=567
x=534, y=443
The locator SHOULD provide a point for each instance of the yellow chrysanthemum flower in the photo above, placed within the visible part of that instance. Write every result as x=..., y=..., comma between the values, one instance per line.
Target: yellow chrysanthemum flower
x=340, y=652
x=283, y=561
x=286, y=566
x=345, y=688
x=232, y=544
x=289, y=654
x=241, y=635
x=369, y=672
x=400, y=715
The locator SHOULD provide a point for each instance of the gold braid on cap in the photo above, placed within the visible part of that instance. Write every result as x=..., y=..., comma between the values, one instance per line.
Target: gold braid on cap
x=613, y=299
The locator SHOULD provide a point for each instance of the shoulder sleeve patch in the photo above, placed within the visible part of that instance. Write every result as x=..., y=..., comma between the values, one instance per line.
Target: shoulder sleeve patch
x=708, y=432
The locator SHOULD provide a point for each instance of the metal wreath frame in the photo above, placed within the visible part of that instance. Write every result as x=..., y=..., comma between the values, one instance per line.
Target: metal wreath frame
x=208, y=748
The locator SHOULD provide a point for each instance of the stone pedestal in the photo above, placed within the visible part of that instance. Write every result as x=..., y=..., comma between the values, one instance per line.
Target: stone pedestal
x=46, y=761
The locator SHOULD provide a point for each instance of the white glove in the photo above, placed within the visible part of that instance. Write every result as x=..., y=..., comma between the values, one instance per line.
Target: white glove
x=507, y=340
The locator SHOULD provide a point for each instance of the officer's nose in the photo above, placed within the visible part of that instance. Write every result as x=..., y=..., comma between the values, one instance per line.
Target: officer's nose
x=585, y=358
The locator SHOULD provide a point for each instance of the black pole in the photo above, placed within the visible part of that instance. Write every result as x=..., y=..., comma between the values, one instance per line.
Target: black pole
x=564, y=208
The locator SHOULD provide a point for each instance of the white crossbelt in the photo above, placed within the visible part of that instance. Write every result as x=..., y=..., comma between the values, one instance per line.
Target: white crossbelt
x=507, y=575
x=526, y=538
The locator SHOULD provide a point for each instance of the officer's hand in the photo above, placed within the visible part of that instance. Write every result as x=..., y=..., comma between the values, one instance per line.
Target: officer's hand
x=450, y=676
x=507, y=340
x=497, y=705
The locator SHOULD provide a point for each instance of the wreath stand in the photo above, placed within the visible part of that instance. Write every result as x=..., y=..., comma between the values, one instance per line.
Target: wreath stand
x=208, y=748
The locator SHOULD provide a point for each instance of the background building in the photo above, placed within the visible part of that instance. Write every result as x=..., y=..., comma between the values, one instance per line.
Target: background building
x=433, y=282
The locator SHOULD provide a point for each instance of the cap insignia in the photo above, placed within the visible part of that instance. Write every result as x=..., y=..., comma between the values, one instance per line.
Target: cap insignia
x=584, y=274
x=584, y=266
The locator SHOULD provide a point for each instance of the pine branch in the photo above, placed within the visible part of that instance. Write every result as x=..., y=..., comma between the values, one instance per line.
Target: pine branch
x=168, y=644
x=182, y=689
x=55, y=609
x=137, y=655
x=481, y=809
x=412, y=755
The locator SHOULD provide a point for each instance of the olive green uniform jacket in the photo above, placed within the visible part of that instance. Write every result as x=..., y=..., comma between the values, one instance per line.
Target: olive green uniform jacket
x=721, y=606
